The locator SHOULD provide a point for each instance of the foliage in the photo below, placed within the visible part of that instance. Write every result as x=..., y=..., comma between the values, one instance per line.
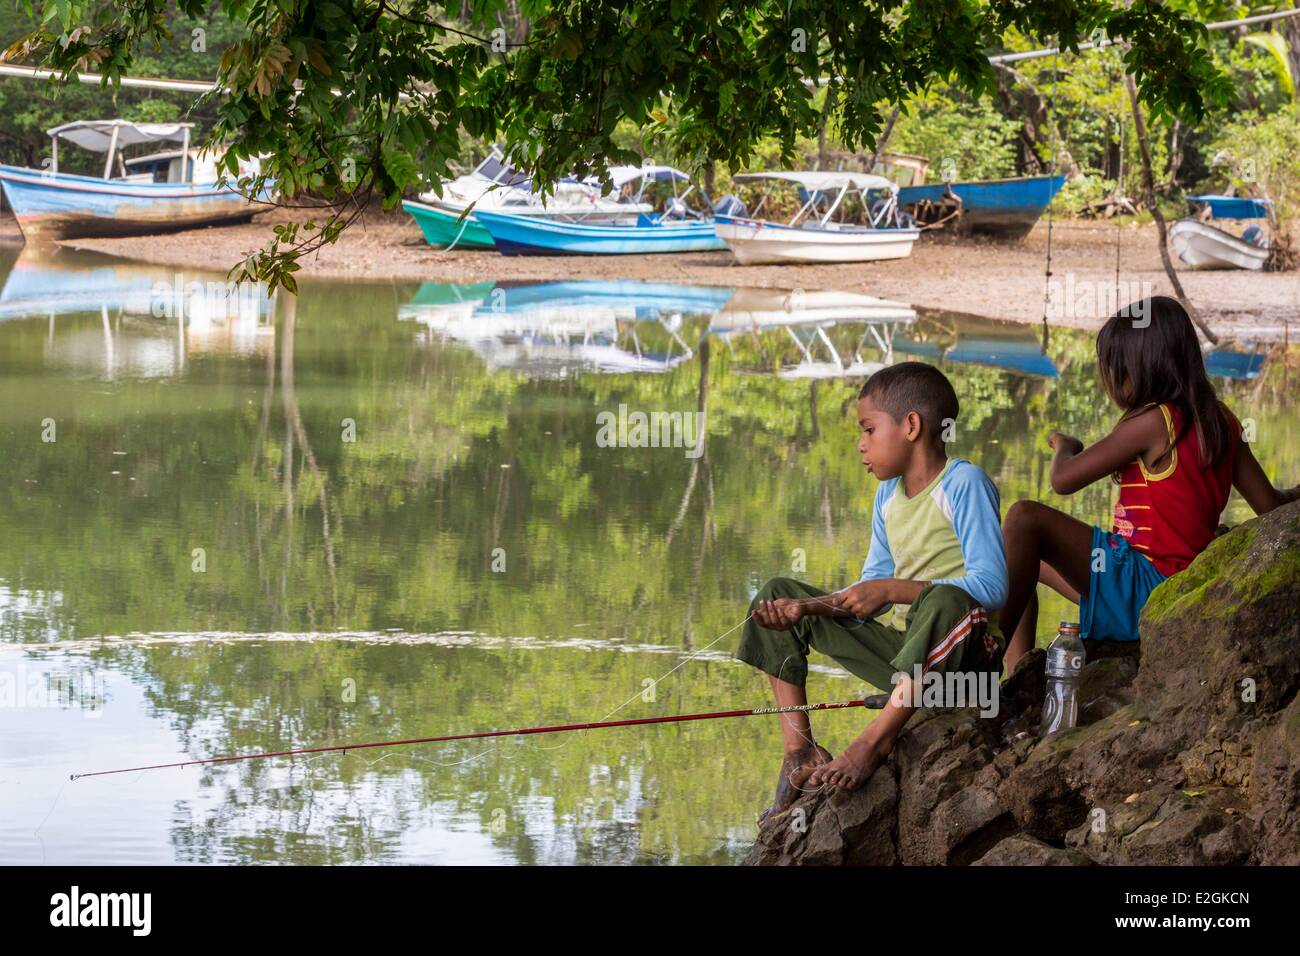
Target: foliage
x=970, y=139
x=1080, y=193
x=348, y=97
x=1257, y=155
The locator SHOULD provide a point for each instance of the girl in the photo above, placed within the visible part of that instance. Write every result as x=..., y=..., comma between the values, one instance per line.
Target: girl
x=1175, y=454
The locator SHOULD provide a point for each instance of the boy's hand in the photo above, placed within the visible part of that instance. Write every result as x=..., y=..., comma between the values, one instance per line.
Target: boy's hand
x=862, y=599
x=779, y=615
x=1059, y=441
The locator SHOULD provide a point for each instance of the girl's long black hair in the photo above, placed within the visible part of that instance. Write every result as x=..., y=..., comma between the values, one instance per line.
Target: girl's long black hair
x=1148, y=354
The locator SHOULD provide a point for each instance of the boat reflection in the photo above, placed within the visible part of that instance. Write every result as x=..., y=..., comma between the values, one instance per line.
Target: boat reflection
x=807, y=317
x=556, y=329
x=968, y=340
x=114, y=317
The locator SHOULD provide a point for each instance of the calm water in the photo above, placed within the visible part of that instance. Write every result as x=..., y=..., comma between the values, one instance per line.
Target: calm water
x=383, y=512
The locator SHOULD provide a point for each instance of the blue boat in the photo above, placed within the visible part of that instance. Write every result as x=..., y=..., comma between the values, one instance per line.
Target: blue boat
x=677, y=228
x=1234, y=365
x=173, y=189
x=529, y=236
x=1000, y=207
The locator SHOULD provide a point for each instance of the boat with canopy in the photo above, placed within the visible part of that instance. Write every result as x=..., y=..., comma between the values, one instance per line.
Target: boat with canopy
x=176, y=188
x=813, y=234
x=682, y=220
x=1204, y=246
x=448, y=216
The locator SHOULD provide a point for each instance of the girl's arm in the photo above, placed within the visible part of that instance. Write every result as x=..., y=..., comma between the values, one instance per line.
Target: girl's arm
x=1250, y=480
x=1075, y=467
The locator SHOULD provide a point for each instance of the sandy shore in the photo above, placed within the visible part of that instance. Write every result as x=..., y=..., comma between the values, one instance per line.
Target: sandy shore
x=995, y=279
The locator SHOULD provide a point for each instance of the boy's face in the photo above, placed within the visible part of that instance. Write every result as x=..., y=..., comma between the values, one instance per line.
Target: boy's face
x=886, y=445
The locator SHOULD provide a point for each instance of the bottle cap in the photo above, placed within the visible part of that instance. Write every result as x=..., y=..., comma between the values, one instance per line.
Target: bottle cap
x=1069, y=625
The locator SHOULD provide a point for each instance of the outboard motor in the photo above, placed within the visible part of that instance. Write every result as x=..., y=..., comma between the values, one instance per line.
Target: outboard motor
x=674, y=208
x=730, y=205
x=1255, y=236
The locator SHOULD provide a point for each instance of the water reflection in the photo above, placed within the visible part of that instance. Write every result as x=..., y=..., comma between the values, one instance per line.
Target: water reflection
x=380, y=511
x=150, y=320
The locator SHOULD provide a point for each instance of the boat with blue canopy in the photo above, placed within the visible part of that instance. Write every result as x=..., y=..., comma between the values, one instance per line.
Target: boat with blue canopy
x=678, y=225
x=1203, y=246
x=177, y=188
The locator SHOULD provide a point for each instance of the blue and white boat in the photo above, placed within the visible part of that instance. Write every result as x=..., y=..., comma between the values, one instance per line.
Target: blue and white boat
x=1000, y=207
x=447, y=217
x=814, y=235
x=1203, y=246
x=676, y=228
x=163, y=191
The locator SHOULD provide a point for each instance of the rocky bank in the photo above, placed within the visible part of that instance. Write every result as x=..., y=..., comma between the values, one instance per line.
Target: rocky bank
x=1189, y=753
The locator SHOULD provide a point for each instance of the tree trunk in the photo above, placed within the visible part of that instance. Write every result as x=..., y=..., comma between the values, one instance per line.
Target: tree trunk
x=821, y=132
x=1020, y=100
x=883, y=140
x=1149, y=196
x=1291, y=30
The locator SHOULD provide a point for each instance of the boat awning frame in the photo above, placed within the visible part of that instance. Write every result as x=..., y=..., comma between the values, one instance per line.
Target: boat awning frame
x=822, y=180
x=112, y=136
x=100, y=136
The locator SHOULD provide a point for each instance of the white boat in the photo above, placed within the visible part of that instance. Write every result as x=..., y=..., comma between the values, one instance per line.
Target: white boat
x=812, y=235
x=1203, y=246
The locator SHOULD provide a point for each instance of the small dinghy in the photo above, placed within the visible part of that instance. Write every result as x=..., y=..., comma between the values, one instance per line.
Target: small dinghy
x=1203, y=246
x=812, y=235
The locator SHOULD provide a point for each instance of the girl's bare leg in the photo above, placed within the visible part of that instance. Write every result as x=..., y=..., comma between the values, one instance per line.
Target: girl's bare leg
x=1037, y=535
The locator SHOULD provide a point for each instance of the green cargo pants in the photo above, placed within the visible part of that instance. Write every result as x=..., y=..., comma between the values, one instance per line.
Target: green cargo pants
x=947, y=631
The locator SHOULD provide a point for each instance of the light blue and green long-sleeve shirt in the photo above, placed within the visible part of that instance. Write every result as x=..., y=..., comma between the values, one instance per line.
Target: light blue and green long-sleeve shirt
x=949, y=533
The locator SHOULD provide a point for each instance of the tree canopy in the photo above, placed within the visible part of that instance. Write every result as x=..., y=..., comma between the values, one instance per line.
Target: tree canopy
x=351, y=98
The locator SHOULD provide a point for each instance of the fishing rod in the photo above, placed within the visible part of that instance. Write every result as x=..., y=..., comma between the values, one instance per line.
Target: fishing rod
x=875, y=701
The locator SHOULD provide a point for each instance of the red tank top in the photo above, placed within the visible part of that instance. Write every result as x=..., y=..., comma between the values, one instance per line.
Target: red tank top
x=1170, y=516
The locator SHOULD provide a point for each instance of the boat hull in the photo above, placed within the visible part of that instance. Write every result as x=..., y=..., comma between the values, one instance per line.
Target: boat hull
x=446, y=229
x=1007, y=208
x=52, y=206
x=754, y=241
x=532, y=236
x=1202, y=246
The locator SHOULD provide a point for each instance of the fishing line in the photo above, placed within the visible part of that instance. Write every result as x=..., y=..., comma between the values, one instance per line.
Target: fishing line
x=523, y=731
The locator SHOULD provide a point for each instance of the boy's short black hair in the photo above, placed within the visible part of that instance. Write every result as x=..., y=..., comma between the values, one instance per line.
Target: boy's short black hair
x=913, y=387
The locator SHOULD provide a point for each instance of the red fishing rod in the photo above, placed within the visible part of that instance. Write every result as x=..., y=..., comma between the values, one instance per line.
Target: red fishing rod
x=875, y=701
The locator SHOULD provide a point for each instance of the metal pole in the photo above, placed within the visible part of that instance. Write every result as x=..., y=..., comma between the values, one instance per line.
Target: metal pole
x=112, y=150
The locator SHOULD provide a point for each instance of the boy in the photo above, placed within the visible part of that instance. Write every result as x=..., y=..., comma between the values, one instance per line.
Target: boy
x=935, y=569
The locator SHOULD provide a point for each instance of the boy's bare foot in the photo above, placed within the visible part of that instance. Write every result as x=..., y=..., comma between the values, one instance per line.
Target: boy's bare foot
x=850, y=769
x=796, y=766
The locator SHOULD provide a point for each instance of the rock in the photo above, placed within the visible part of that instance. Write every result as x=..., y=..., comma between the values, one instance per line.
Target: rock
x=1024, y=850
x=1178, y=827
x=948, y=813
x=834, y=827
x=1188, y=753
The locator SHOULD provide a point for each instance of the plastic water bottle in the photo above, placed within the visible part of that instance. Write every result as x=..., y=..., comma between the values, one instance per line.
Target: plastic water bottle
x=1064, y=673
